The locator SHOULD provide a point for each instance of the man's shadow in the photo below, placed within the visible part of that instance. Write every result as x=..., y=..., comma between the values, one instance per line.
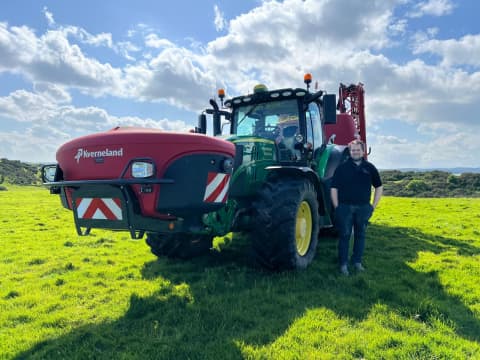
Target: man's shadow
x=212, y=303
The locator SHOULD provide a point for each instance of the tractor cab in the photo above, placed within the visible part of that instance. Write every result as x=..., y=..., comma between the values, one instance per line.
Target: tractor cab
x=277, y=121
x=290, y=121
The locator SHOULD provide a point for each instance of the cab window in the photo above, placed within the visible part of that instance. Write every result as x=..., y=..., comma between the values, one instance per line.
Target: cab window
x=313, y=113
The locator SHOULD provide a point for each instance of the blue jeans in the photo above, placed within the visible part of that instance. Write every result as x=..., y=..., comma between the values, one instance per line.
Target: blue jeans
x=348, y=217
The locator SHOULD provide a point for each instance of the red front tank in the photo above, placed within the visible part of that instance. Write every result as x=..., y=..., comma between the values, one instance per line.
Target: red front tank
x=189, y=157
x=105, y=155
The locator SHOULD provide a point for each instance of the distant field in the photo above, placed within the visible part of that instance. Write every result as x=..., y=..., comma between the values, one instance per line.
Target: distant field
x=106, y=297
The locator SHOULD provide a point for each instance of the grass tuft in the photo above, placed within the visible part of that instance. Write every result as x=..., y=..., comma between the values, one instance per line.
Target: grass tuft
x=12, y=294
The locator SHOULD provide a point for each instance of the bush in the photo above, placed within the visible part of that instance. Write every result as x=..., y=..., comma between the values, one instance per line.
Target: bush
x=418, y=186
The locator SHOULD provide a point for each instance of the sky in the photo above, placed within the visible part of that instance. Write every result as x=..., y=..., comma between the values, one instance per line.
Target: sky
x=72, y=68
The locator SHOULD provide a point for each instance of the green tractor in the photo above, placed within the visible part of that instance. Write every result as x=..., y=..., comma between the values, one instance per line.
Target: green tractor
x=268, y=178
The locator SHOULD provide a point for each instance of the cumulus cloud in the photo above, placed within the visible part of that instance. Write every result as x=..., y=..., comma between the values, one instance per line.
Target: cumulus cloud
x=398, y=27
x=176, y=77
x=463, y=51
x=432, y=7
x=316, y=24
x=442, y=151
x=152, y=40
x=24, y=106
x=173, y=75
x=55, y=93
x=52, y=58
x=47, y=122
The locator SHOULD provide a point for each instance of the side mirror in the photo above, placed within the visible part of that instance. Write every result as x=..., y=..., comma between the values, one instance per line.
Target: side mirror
x=329, y=109
x=202, y=124
x=48, y=173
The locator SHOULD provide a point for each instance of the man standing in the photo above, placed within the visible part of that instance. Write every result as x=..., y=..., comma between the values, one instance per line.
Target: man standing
x=351, y=191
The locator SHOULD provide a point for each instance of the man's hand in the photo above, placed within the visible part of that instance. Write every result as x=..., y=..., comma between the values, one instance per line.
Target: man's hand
x=334, y=196
x=376, y=196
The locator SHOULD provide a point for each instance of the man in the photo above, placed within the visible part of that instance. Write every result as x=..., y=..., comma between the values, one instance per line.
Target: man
x=351, y=192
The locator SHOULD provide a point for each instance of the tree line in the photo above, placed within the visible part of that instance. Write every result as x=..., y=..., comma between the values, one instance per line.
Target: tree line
x=430, y=184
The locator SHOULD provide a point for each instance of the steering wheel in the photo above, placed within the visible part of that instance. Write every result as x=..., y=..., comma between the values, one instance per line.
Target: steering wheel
x=269, y=132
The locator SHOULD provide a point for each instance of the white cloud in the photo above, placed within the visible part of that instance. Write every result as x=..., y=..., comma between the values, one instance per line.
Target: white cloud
x=124, y=48
x=464, y=51
x=398, y=27
x=152, y=40
x=219, y=20
x=22, y=145
x=175, y=75
x=432, y=7
x=54, y=93
x=313, y=23
x=48, y=16
x=452, y=147
x=51, y=58
x=47, y=123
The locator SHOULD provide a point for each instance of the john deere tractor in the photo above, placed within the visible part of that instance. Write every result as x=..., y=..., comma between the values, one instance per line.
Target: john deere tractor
x=267, y=178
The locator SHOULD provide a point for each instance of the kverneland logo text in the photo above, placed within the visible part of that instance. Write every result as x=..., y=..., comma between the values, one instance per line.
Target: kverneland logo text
x=82, y=153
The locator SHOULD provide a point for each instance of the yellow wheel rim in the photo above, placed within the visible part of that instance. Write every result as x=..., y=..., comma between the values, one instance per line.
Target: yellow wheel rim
x=303, y=228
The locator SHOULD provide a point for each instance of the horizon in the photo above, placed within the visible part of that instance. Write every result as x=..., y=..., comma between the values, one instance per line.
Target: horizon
x=446, y=169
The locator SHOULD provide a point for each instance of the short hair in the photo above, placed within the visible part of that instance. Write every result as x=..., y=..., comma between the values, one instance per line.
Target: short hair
x=357, y=142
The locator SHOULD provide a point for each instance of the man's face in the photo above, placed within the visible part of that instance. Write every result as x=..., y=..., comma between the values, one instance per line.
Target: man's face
x=356, y=152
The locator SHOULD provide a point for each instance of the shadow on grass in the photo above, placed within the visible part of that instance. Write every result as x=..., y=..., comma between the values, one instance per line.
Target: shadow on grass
x=209, y=304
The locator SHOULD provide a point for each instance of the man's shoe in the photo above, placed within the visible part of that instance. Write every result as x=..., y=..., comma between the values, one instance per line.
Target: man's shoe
x=344, y=270
x=359, y=267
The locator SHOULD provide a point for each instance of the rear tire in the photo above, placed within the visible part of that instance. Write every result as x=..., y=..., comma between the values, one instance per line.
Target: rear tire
x=286, y=224
x=181, y=246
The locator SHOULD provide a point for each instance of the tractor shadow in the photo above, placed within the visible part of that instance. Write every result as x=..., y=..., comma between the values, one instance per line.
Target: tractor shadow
x=210, y=304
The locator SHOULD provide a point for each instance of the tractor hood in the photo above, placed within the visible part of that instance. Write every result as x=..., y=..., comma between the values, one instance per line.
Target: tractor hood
x=107, y=155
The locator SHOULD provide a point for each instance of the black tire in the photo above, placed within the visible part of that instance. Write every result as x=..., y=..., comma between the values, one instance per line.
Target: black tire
x=181, y=246
x=282, y=238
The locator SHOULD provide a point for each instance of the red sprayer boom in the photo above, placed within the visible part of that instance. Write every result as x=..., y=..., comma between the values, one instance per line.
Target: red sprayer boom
x=350, y=123
x=351, y=101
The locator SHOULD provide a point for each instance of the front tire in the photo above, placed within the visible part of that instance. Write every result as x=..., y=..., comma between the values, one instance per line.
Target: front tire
x=181, y=246
x=286, y=224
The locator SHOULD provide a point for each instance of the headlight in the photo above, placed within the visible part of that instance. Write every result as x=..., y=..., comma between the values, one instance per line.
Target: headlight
x=227, y=165
x=142, y=169
x=299, y=137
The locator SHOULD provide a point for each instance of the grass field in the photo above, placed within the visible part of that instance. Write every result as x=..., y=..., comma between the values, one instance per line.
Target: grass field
x=106, y=297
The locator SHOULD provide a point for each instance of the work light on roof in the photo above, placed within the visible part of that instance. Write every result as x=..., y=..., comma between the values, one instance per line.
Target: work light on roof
x=259, y=88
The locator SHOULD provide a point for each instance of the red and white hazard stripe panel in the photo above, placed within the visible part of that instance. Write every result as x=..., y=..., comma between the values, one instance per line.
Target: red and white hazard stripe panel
x=99, y=208
x=217, y=188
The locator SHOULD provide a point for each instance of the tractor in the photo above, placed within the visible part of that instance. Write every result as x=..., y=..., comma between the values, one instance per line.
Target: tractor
x=267, y=175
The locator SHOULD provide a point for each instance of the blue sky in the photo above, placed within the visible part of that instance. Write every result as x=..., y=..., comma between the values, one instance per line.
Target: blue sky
x=72, y=68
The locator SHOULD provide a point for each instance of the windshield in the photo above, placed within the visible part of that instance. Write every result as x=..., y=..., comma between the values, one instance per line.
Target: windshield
x=270, y=120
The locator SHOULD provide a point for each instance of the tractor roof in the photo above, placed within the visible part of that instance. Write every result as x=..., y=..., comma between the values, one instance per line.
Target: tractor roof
x=265, y=95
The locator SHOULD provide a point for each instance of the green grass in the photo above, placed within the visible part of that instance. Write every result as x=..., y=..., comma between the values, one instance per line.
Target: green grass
x=105, y=296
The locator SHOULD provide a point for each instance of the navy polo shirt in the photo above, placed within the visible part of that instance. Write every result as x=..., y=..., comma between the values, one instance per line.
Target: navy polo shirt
x=354, y=182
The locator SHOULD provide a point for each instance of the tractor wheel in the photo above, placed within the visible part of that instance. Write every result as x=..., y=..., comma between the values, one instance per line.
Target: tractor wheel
x=285, y=233
x=181, y=246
